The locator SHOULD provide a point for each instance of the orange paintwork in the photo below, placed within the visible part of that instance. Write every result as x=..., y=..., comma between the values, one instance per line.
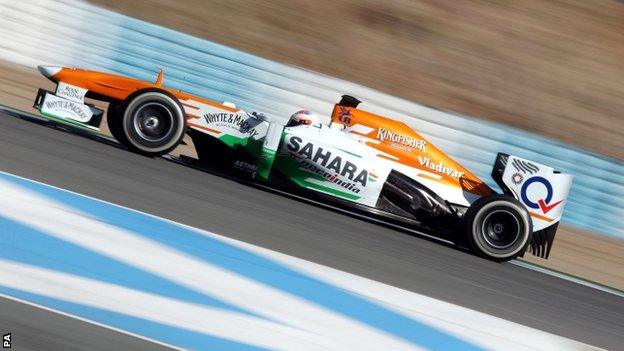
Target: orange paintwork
x=539, y=216
x=411, y=149
x=119, y=87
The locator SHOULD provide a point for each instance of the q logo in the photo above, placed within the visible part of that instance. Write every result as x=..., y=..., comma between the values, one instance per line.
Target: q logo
x=542, y=204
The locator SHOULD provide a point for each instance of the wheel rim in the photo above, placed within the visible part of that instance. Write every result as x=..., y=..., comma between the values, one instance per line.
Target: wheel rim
x=501, y=229
x=153, y=121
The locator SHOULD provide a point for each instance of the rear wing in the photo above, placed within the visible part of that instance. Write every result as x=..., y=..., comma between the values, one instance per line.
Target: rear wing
x=541, y=189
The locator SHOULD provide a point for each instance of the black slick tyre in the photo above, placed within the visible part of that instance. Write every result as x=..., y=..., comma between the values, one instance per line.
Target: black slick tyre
x=498, y=227
x=150, y=122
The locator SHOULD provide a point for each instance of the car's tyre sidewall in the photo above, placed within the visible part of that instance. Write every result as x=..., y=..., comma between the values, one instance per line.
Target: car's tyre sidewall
x=479, y=220
x=168, y=111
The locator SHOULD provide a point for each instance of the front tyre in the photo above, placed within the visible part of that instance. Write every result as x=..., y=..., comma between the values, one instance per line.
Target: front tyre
x=150, y=122
x=498, y=227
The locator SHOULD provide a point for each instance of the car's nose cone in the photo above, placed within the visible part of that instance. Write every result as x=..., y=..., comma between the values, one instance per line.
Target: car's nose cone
x=49, y=71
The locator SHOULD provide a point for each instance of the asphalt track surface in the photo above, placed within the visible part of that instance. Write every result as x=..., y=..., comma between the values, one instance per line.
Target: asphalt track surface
x=36, y=329
x=95, y=167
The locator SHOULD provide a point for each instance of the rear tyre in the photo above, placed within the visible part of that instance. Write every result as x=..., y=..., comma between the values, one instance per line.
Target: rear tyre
x=498, y=227
x=150, y=122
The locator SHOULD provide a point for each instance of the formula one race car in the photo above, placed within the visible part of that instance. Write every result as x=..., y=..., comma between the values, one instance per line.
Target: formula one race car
x=371, y=164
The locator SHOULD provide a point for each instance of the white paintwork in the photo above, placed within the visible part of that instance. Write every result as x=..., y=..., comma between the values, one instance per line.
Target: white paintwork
x=335, y=140
x=49, y=71
x=339, y=145
x=67, y=109
x=362, y=129
x=71, y=92
x=272, y=139
x=238, y=123
x=537, y=180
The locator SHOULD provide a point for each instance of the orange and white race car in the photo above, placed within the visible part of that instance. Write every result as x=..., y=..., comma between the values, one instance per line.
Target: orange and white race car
x=369, y=163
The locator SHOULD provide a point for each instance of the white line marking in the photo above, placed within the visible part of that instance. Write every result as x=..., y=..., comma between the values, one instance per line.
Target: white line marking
x=479, y=328
x=89, y=321
x=567, y=277
x=226, y=324
x=69, y=224
x=327, y=206
x=322, y=273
